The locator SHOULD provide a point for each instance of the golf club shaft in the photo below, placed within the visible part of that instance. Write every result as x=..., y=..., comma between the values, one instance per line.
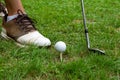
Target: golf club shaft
x=85, y=26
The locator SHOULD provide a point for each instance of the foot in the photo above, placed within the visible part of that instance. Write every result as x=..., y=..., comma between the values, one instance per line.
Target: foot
x=22, y=31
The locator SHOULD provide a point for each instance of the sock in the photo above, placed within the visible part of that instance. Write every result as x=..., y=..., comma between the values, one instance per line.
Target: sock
x=11, y=17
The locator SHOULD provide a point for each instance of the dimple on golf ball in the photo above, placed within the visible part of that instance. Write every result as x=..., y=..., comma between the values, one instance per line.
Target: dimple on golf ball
x=60, y=46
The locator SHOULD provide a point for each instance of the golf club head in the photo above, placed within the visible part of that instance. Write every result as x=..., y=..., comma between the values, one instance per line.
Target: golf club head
x=97, y=51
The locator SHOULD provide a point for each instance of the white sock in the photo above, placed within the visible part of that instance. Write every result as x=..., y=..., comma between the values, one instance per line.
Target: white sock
x=11, y=17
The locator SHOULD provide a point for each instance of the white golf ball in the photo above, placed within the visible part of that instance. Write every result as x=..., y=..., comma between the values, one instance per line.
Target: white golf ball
x=60, y=46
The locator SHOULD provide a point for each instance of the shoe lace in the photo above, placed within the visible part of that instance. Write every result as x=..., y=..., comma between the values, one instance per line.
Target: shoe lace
x=26, y=24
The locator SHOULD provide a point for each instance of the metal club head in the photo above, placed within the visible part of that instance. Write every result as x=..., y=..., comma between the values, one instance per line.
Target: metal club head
x=97, y=51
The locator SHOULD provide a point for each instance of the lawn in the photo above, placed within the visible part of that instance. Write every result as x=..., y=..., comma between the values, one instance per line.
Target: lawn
x=61, y=20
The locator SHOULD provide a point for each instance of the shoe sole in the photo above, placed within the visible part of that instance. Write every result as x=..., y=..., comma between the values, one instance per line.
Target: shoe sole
x=3, y=34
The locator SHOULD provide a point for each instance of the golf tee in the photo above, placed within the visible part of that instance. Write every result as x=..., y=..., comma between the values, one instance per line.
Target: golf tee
x=61, y=57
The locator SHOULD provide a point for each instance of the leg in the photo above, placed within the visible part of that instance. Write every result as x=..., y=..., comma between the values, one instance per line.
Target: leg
x=13, y=6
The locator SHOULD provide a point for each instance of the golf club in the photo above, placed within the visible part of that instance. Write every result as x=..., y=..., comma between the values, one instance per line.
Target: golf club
x=86, y=32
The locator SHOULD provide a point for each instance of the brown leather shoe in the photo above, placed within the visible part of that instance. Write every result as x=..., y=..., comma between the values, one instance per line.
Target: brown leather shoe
x=22, y=30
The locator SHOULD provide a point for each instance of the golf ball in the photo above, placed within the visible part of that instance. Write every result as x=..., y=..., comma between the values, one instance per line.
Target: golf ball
x=60, y=46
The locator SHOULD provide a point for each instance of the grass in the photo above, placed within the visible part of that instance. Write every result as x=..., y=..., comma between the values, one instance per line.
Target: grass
x=62, y=20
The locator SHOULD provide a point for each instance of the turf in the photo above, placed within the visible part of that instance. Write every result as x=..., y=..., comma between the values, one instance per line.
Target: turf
x=62, y=20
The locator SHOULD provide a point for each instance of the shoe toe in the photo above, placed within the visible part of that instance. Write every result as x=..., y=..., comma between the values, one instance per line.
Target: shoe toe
x=34, y=38
x=42, y=42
